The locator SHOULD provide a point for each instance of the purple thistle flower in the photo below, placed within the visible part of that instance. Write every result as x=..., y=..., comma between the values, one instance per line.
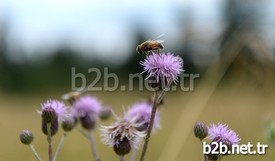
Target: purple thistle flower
x=223, y=133
x=58, y=108
x=165, y=68
x=52, y=112
x=86, y=105
x=87, y=109
x=141, y=113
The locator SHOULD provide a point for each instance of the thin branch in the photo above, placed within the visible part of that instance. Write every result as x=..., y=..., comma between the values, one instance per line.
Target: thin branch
x=150, y=126
x=60, y=145
x=35, y=153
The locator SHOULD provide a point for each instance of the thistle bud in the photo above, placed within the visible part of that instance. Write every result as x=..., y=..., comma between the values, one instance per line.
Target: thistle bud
x=49, y=115
x=68, y=124
x=122, y=147
x=54, y=127
x=200, y=130
x=88, y=121
x=105, y=113
x=26, y=137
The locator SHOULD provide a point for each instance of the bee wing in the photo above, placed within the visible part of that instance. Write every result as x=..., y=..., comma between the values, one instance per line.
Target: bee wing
x=65, y=96
x=68, y=95
x=159, y=36
x=159, y=41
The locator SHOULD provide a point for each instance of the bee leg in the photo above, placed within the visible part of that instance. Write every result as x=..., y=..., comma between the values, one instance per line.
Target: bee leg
x=158, y=51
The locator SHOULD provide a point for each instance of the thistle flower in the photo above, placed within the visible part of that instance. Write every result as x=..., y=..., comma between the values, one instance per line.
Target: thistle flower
x=141, y=114
x=165, y=68
x=122, y=136
x=52, y=112
x=222, y=133
x=87, y=109
x=53, y=108
x=87, y=104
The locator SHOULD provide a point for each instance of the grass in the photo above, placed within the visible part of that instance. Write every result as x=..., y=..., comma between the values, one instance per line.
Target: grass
x=241, y=105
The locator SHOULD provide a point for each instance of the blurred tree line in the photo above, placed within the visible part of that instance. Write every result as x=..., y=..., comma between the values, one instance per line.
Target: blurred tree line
x=249, y=55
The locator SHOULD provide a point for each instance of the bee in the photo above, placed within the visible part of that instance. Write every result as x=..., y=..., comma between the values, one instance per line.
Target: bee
x=150, y=45
x=71, y=97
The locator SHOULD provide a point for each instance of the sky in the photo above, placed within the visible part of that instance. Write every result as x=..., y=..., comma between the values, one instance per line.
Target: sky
x=101, y=28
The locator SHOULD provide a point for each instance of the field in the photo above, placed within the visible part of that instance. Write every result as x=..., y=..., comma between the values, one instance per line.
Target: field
x=243, y=106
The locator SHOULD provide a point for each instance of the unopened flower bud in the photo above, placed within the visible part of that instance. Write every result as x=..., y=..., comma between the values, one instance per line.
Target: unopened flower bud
x=49, y=115
x=68, y=124
x=200, y=130
x=26, y=137
x=105, y=113
x=122, y=147
x=88, y=121
x=54, y=127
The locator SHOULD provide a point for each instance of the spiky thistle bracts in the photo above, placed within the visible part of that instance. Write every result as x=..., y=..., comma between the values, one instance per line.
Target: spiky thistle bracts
x=120, y=130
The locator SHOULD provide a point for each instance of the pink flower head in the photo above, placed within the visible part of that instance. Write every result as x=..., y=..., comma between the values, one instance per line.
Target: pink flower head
x=58, y=107
x=163, y=67
x=223, y=133
x=86, y=105
x=141, y=113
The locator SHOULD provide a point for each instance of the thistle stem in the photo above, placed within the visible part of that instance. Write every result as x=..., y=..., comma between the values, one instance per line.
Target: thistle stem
x=134, y=155
x=204, y=156
x=49, y=139
x=93, y=147
x=150, y=126
x=82, y=132
x=121, y=158
x=35, y=153
x=162, y=93
x=60, y=145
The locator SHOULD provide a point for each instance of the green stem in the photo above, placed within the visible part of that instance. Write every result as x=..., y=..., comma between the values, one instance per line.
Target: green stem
x=149, y=129
x=49, y=139
x=60, y=145
x=204, y=156
x=134, y=155
x=162, y=93
x=93, y=147
x=35, y=153
x=121, y=158
x=82, y=132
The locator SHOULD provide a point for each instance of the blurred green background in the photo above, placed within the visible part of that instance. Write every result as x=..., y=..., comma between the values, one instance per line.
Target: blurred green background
x=230, y=43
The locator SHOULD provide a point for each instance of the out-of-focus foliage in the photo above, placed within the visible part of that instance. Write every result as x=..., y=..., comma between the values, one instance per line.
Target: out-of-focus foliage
x=240, y=44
